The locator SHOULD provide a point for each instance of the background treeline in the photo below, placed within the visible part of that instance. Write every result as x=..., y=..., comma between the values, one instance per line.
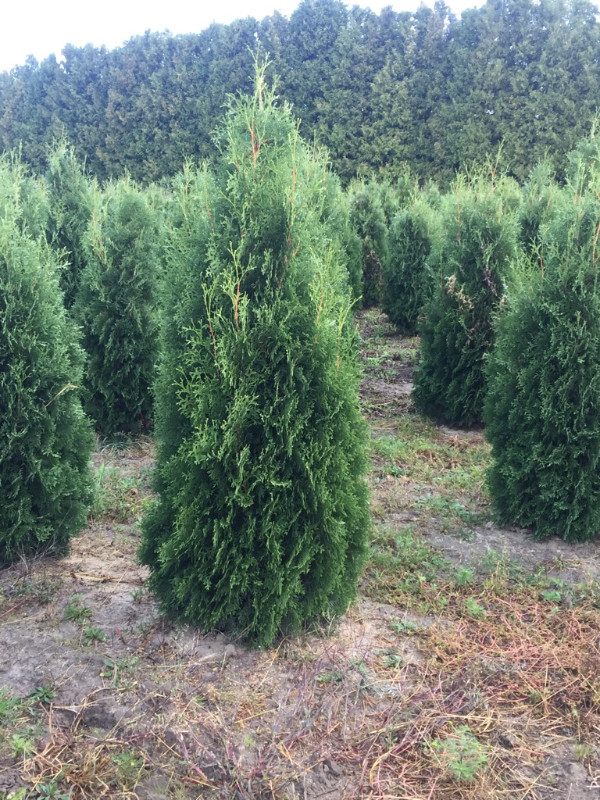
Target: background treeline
x=424, y=91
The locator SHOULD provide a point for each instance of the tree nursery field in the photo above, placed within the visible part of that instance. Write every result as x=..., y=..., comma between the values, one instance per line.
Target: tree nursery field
x=469, y=667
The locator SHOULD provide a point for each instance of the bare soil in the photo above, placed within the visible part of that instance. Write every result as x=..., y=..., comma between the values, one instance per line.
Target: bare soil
x=396, y=700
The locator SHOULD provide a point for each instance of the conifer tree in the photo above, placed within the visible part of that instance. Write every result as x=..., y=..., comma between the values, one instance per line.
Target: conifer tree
x=116, y=307
x=480, y=235
x=262, y=512
x=542, y=411
x=408, y=282
x=367, y=213
x=45, y=439
x=71, y=196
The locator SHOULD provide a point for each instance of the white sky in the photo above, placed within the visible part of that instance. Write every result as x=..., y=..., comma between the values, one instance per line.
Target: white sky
x=41, y=27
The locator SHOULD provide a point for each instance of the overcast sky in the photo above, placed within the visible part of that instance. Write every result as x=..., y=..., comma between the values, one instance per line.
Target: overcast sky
x=41, y=27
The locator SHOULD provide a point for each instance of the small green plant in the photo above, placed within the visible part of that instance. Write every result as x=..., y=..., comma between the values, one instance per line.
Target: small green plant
x=21, y=745
x=119, y=672
x=139, y=594
x=9, y=706
x=461, y=754
x=51, y=789
x=404, y=626
x=465, y=576
x=92, y=634
x=392, y=659
x=75, y=611
x=334, y=676
x=43, y=694
x=474, y=609
x=552, y=596
x=534, y=696
x=129, y=768
x=582, y=752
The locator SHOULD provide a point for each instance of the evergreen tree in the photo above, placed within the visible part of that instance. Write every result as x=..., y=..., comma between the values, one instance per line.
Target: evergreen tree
x=45, y=440
x=368, y=216
x=542, y=411
x=457, y=327
x=540, y=195
x=116, y=307
x=408, y=282
x=262, y=512
x=70, y=197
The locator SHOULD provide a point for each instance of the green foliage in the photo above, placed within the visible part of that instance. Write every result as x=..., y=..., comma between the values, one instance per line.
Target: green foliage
x=70, y=197
x=479, y=242
x=461, y=754
x=425, y=89
x=408, y=282
x=194, y=205
x=336, y=216
x=262, y=514
x=45, y=440
x=116, y=307
x=539, y=194
x=367, y=213
x=543, y=408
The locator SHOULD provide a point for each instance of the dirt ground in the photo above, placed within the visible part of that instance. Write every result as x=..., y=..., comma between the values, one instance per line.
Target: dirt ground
x=492, y=693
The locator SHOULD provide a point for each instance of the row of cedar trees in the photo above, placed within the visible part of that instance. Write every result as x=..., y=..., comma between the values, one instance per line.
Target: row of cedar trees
x=220, y=310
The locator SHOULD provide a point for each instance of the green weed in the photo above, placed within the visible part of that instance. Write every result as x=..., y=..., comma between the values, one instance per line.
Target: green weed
x=117, y=497
x=461, y=754
x=92, y=634
x=75, y=611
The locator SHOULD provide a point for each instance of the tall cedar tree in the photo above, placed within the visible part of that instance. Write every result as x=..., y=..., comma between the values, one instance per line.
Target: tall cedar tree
x=70, y=196
x=368, y=216
x=480, y=229
x=116, y=306
x=262, y=516
x=45, y=439
x=542, y=411
x=408, y=281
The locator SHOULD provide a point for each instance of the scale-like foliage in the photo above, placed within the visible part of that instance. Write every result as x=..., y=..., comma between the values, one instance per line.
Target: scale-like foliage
x=71, y=198
x=408, y=281
x=116, y=307
x=543, y=408
x=457, y=328
x=262, y=513
x=45, y=439
x=368, y=215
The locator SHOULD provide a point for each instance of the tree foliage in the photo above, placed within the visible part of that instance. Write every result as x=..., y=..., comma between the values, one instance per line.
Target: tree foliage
x=45, y=440
x=379, y=90
x=116, y=307
x=70, y=209
x=408, y=280
x=542, y=412
x=479, y=242
x=262, y=514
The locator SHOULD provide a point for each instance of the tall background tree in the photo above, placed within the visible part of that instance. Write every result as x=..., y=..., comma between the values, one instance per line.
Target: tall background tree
x=422, y=89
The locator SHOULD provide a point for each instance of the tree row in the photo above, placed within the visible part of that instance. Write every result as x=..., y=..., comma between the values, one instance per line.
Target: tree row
x=422, y=91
